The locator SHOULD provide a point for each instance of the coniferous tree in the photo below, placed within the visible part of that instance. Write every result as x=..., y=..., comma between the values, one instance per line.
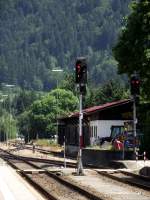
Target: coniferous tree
x=33, y=31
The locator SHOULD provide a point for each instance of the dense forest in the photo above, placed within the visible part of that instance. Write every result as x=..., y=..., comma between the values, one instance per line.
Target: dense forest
x=39, y=35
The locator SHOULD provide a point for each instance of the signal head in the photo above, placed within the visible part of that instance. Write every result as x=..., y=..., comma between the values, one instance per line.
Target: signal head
x=81, y=70
x=135, y=85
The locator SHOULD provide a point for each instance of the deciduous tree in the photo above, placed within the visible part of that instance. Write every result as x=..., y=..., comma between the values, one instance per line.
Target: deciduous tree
x=43, y=113
x=133, y=48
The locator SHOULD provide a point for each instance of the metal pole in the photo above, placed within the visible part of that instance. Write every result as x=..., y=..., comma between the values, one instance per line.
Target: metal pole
x=79, y=161
x=57, y=70
x=28, y=136
x=123, y=149
x=64, y=152
x=134, y=122
x=57, y=113
x=9, y=117
x=144, y=157
x=6, y=136
x=9, y=134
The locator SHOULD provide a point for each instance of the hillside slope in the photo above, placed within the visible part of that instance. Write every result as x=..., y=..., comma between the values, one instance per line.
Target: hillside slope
x=39, y=35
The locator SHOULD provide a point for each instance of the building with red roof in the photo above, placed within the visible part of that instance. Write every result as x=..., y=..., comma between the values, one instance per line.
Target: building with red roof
x=97, y=122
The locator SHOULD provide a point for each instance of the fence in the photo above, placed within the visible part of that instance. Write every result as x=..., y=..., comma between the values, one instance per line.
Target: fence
x=143, y=155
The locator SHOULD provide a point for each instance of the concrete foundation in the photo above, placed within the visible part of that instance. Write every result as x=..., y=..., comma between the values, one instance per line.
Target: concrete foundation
x=99, y=157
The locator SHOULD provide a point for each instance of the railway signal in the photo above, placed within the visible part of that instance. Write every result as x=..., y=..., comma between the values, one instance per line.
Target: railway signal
x=81, y=70
x=83, y=89
x=135, y=85
x=81, y=80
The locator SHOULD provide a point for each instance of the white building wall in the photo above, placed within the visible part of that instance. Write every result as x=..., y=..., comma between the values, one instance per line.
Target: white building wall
x=103, y=128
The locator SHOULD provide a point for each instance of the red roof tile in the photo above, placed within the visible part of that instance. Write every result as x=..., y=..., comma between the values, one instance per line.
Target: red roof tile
x=101, y=107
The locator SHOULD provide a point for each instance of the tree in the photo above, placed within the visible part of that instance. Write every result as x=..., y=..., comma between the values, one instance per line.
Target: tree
x=144, y=119
x=133, y=48
x=68, y=82
x=31, y=46
x=110, y=91
x=43, y=113
x=23, y=99
x=23, y=124
x=8, y=126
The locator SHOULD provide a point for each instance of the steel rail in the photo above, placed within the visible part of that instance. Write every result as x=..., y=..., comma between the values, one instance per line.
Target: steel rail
x=46, y=194
x=49, y=161
x=128, y=178
x=61, y=180
x=70, y=185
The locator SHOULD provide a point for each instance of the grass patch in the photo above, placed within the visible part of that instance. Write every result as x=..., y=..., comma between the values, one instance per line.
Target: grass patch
x=46, y=142
x=49, y=144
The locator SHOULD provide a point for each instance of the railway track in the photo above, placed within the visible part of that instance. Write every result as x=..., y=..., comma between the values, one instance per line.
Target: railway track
x=43, y=160
x=38, y=149
x=50, y=161
x=118, y=175
x=53, y=187
x=45, y=151
x=128, y=178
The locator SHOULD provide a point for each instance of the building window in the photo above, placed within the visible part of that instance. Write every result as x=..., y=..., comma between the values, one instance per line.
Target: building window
x=95, y=131
x=91, y=131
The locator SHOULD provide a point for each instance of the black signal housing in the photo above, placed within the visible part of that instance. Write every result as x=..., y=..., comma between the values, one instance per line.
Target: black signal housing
x=81, y=71
x=135, y=85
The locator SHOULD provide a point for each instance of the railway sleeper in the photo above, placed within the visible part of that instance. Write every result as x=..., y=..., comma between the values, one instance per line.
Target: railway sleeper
x=32, y=171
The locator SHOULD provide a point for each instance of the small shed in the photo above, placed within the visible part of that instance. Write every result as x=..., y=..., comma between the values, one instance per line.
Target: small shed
x=97, y=122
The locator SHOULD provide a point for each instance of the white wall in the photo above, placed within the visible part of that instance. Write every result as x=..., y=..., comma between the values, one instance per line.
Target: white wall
x=104, y=128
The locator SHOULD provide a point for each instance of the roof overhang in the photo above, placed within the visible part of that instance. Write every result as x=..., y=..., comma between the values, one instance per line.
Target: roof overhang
x=94, y=109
